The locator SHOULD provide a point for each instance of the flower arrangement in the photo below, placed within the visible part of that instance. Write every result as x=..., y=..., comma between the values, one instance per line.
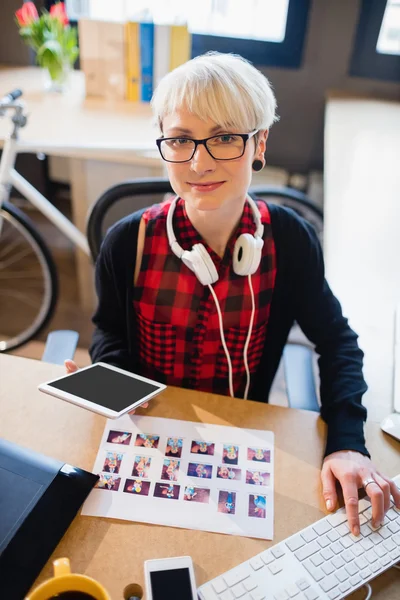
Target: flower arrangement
x=52, y=38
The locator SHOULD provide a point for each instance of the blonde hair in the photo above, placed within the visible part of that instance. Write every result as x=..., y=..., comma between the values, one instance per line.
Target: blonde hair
x=224, y=88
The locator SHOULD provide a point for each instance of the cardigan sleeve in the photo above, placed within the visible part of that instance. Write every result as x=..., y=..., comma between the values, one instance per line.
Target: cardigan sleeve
x=115, y=267
x=319, y=314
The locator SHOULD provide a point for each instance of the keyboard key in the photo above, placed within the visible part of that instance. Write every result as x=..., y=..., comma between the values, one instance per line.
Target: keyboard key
x=365, y=573
x=236, y=576
x=333, y=535
x=309, y=535
x=333, y=594
x=257, y=596
x=394, y=527
x=307, y=551
x=355, y=580
x=363, y=505
x=256, y=563
x=326, y=553
x=275, y=568
x=337, y=562
x=391, y=514
x=371, y=556
x=311, y=594
x=357, y=549
x=365, y=531
x=317, y=560
x=343, y=529
x=361, y=562
x=207, y=593
x=375, y=538
x=267, y=557
x=375, y=567
x=343, y=587
x=380, y=550
x=362, y=519
x=323, y=541
x=315, y=572
x=396, y=539
x=337, y=518
x=385, y=560
x=395, y=554
x=329, y=583
x=385, y=532
x=346, y=541
x=337, y=547
x=389, y=545
x=351, y=568
x=355, y=538
x=368, y=514
x=347, y=556
x=283, y=595
x=219, y=585
x=238, y=590
x=250, y=584
x=328, y=568
x=321, y=527
x=296, y=542
x=342, y=574
x=292, y=590
x=302, y=584
x=226, y=595
x=278, y=551
x=366, y=544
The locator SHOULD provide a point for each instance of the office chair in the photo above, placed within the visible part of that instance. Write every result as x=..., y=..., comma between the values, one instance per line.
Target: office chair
x=129, y=196
x=60, y=345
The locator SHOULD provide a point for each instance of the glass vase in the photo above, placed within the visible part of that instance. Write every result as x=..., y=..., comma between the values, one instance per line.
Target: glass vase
x=57, y=77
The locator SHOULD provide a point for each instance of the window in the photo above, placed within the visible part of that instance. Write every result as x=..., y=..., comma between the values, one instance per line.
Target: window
x=389, y=35
x=376, y=52
x=267, y=32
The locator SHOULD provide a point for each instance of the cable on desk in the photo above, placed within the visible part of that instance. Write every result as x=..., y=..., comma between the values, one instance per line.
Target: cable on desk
x=369, y=591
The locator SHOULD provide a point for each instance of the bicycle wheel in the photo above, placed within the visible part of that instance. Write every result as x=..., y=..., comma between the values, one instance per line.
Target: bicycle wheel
x=28, y=279
x=297, y=201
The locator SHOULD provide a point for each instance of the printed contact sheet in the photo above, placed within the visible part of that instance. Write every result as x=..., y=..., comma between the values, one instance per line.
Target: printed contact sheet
x=185, y=474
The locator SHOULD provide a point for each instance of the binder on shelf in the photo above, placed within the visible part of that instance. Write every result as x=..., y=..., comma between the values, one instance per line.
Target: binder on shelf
x=162, y=52
x=146, y=61
x=112, y=48
x=89, y=47
x=132, y=57
x=181, y=45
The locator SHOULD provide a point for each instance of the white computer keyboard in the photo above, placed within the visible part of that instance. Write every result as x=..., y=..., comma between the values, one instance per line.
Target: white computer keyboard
x=321, y=562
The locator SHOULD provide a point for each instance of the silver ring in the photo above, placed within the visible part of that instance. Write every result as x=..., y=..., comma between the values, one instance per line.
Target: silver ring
x=366, y=482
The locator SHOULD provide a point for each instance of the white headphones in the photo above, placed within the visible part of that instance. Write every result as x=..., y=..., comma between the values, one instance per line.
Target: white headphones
x=246, y=253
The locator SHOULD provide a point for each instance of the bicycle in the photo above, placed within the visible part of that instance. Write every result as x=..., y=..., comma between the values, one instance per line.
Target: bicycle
x=28, y=275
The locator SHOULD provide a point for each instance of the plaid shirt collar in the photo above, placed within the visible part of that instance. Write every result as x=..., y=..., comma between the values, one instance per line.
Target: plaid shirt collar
x=187, y=235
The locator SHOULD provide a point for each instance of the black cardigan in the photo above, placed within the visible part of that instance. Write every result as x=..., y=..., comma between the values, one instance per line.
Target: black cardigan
x=301, y=294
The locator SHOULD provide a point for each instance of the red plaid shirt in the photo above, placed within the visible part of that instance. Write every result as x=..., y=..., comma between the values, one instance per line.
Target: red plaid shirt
x=177, y=321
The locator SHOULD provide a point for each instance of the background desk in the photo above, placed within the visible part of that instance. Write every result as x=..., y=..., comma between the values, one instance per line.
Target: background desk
x=362, y=230
x=105, y=142
x=113, y=551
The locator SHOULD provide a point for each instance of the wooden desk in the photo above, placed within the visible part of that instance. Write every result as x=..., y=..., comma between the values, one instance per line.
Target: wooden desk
x=113, y=551
x=105, y=142
x=361, y=239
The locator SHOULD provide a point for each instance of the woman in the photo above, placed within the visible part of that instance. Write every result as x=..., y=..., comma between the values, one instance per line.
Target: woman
x=219, y=280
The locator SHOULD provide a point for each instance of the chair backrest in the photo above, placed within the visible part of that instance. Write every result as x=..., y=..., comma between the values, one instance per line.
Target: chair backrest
x=129, y=196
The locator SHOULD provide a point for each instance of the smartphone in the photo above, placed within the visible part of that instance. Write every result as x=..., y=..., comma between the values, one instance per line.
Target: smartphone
x=170, y=579
x=104, y=389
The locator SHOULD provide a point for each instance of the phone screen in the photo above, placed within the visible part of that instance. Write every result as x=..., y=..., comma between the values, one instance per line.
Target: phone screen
x=171, y=584
x=105, y=387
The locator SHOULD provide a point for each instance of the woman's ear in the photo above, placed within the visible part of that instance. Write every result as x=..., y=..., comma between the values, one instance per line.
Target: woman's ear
x=261, y=143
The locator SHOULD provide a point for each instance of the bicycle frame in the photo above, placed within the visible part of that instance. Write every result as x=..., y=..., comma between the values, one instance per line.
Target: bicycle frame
x=10, y=177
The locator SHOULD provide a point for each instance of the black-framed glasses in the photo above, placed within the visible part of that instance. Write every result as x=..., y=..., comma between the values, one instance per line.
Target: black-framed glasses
x=225, y=146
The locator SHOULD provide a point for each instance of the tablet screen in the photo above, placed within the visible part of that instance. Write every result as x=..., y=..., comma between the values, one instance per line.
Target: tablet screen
x=106, y=387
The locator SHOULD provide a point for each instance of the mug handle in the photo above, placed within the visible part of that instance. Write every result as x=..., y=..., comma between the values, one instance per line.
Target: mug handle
x=61, y=567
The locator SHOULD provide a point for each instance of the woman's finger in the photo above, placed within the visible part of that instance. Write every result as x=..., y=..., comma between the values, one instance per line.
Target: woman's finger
x=70, y=366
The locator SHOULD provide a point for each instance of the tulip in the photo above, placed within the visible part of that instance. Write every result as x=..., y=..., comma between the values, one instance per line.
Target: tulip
x=58, y=12
x=27, y=14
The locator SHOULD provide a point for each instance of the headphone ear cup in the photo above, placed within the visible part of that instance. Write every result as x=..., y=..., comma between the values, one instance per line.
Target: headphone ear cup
x=199, y=261
x=247, y=254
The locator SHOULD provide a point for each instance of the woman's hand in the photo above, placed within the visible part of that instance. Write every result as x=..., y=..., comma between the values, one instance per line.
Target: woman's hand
x=71, y=367
x=351, y=469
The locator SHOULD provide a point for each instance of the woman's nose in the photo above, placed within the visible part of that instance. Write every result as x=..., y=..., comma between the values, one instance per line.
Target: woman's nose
x=202, y=160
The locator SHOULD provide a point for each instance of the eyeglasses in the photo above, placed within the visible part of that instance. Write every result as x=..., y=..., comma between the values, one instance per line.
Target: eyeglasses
x=226, y=146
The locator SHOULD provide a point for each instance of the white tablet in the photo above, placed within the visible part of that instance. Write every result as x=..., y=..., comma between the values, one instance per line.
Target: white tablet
x=104, y=389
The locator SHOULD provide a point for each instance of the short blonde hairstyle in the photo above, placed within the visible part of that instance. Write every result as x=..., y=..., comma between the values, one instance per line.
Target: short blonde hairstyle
x=224, y=88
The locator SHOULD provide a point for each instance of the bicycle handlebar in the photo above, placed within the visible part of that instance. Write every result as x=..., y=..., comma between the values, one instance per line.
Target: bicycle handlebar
x=11, y=96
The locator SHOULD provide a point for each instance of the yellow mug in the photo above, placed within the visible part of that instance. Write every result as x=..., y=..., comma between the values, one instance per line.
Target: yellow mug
x=64, y=581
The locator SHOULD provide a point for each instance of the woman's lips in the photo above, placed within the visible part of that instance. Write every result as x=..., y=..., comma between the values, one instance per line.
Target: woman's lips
x=206, y=187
